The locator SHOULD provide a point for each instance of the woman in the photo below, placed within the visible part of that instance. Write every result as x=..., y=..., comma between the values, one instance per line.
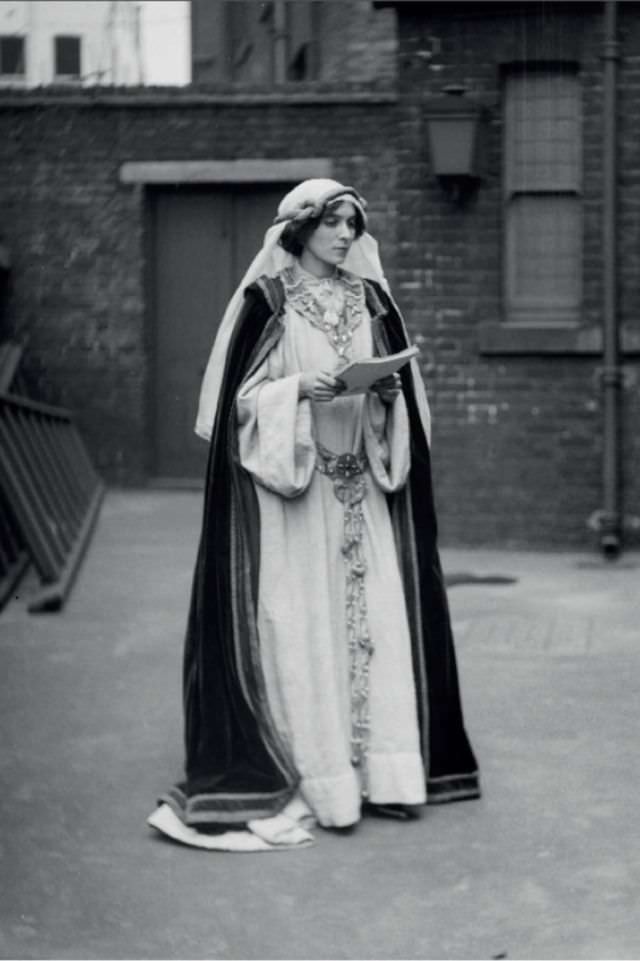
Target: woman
x=319, y=670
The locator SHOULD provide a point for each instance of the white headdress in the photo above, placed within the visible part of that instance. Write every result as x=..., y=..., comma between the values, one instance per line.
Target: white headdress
x=306, y=200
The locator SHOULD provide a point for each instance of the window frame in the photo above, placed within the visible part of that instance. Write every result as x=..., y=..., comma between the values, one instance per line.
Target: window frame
x=311, y=46
x=67, y=77
x=549, y=309
x=276, y=22
x=562, y=331
x=17, y=76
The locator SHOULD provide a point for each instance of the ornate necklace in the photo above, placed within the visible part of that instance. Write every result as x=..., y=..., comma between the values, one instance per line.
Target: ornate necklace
x=334, y=305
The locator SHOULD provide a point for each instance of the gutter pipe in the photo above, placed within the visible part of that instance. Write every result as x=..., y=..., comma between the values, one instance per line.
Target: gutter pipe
x=610, y=526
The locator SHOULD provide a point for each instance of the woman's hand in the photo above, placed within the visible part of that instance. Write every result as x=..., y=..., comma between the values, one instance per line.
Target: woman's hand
x=319, y=385
x=388, y=388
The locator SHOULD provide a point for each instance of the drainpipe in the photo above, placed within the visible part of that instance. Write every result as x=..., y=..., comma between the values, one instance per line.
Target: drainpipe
x=610, y=516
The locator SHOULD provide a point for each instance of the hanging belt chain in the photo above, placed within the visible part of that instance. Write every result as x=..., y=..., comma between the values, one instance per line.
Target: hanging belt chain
x=346, y=471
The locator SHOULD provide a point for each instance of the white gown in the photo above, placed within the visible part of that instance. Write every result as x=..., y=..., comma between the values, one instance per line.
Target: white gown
x=302, y=594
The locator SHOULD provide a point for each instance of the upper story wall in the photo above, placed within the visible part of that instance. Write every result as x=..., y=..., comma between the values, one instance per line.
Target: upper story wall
x=261, y=45
x=100, y=43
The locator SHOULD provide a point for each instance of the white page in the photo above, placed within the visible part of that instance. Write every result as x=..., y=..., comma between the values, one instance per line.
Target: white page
x=361, y=374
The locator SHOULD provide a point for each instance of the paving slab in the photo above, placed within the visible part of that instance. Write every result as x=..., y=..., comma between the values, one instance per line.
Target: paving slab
x=546, y=865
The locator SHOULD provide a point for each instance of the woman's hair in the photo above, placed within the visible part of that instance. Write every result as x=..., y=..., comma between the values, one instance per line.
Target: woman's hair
x=295, y=235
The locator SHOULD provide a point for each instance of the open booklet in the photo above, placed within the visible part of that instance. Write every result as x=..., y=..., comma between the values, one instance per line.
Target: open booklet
x=359, y=375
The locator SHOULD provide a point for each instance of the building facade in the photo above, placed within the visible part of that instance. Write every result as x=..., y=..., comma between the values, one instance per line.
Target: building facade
x=509, y=290
x=66, y=42
x=259, y=45
x=130, y=218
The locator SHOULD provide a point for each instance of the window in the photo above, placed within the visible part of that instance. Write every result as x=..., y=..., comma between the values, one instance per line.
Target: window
x=542, y=197
x=302, y=27
x=250, y=30
x=67, y=57
x=12, y=57
x=271, y=42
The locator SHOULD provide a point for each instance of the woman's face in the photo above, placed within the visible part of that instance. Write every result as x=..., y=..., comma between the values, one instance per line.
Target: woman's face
x=330, y=242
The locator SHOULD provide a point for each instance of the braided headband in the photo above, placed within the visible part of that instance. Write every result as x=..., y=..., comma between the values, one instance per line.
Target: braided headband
x=313, y=208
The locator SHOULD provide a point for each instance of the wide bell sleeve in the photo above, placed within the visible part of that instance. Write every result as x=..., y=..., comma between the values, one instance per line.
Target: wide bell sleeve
x=385, y=428
x=275, y=428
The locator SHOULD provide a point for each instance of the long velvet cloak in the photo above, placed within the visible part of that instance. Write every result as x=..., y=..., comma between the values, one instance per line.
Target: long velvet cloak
x=237, y=767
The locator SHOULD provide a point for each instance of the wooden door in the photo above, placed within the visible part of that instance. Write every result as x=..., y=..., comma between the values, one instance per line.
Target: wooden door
x=203, y=241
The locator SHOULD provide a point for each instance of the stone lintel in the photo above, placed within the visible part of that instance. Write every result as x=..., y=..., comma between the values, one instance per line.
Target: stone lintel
x=224, y=171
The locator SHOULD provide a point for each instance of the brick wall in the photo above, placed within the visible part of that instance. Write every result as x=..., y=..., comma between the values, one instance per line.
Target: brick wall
x=358, y=43
x=77, y=234
x=517, y=439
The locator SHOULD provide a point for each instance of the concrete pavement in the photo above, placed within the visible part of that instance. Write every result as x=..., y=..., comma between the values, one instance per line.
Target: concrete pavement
x=546, y=865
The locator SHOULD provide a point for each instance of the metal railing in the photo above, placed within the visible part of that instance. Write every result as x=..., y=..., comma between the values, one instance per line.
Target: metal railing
x=50, y=490
x=14, y=557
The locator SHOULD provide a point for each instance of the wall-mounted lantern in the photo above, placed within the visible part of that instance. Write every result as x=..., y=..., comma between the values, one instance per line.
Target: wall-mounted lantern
x=456, y=126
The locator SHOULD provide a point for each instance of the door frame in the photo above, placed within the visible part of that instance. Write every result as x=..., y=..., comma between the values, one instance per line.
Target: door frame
x=145, y=176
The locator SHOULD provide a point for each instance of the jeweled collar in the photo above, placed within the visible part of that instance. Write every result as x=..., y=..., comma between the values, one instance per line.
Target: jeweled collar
x=297, y=274
x=332, y=304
